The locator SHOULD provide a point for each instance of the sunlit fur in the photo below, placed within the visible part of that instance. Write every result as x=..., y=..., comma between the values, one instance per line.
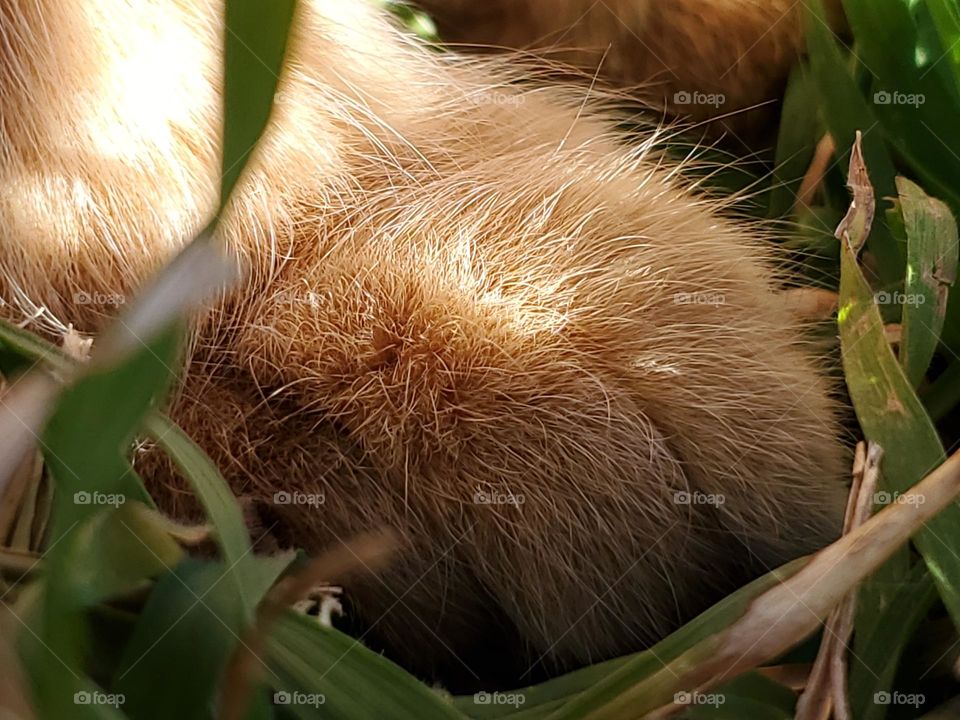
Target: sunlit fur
x=455, y=285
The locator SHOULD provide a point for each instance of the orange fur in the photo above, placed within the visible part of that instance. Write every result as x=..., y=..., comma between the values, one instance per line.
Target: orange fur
x=458, y=288
x=702, y=59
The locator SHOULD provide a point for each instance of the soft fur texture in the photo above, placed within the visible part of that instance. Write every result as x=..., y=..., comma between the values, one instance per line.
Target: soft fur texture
x=702, y=59
x=458, y=289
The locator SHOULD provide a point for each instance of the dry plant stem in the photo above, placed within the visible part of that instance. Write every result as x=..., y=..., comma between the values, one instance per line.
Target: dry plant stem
x=365, y=554
x=856, y=224
x=824, y=153
x=17, y=563
x=826, y=692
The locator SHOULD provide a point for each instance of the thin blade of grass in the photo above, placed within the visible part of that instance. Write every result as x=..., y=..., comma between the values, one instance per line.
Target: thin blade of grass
x=346, y=680
x=932, y=257
x=892, y=416
x=874, y=664
x=186, y=634
x=796, y=142
x=256, y=41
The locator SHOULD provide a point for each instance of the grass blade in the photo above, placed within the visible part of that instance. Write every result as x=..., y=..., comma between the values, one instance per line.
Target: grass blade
x=932, y=257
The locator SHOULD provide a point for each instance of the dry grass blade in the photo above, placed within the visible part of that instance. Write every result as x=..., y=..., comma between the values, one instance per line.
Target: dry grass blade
x=826, y=693
x=18, y=564
x=23, y=410
x=365, y=554
x=856, y=225
x=17, y=496
x=819, y=166
x=14, y=695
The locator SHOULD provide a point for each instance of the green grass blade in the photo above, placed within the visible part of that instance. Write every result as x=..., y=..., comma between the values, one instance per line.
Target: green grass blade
x=192, y=624
x=353, y=681
x=645, y=665
x=214, y=495
x=256, y=41
x=751, y=696
x=874, y=663
x=932, y=257
x=946, y=19
x=110, y=552
x=88, y=439
x=892, y=416
x=917, y=111
x=846, y=112
x=23, y=349
x=85, y=446
x=796, y=142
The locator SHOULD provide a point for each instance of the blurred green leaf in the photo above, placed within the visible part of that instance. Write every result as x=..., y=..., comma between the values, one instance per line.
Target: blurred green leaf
x=916, y=110
x=115, y=549
x=256, y=41
x=353, y=682
x=86, y=444
x=946, y=19
x=751, y=696
x=89, y=437
x=110, y=552
x=185, y=636
x=216, y=498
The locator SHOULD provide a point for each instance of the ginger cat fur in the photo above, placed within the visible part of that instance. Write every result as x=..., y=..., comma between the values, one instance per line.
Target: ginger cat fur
x=470, y=312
